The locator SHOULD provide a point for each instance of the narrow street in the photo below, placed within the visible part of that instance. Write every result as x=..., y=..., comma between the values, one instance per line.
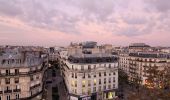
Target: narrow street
x=56, y=82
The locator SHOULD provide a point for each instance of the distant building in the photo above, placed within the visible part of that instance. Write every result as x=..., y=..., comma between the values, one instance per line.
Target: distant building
x=136, y=47
x=89, y=44
x=166, y=50
x=53, y=54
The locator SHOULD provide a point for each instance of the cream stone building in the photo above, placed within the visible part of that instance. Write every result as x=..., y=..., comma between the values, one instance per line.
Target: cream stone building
x=22, y=74
x=137, y=64
x=89, y=73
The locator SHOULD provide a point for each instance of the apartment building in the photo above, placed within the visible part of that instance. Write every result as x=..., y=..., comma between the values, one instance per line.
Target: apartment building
x=22, y=74
x=90, y=76
x=124, y=62
x=53, y=54
x=137, y=64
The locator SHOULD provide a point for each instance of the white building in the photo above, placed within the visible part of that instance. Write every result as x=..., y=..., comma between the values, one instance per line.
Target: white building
x=137, y=64
x=90, y=76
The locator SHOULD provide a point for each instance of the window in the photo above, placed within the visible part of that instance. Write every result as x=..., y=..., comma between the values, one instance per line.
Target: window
x=72, y=75
x=109, y=80
x=72, y=83
x=8, y=97
x=113, y=79
x=94, y=81
x=94, y=75
x=109, y=86
x=114, y=73
x=94, y=66
x=75, y=75
x=16, y=80
x=109, y=65
x=99, y=81
x=8, y=62
x=84, y=76
x=37, y=77
x=83, y=83
x=82, y=67
x=17, y=87
x=7, y=88
x=113, y=85
x=99, y=74
x=104, y=73
x=72, y=67
x=89, y=76
x=89, y=83
x=83, y=91
x=75, y=83
x=7, y=72
x=89, y=67
x=17, y=96
x=104, y=80
x=31, y=78
x=94, y=89
x=7, y=80
x=16, y=71
x=109, y=74
x=89, y=91
x=99, y=88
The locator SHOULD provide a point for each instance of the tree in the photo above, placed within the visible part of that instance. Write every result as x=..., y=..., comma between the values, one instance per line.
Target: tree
x=123, y=77
x=152, y=76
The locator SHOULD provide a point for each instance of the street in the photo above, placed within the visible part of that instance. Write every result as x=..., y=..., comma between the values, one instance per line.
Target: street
x=56, y=82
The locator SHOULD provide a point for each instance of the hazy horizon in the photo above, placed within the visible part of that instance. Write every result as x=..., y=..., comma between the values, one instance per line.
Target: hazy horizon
x=59, y=22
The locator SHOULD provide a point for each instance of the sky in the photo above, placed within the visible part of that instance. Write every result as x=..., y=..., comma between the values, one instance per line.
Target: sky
x=59, y=22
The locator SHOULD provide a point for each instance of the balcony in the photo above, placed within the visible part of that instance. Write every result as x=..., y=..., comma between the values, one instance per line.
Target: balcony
x=132, y=68
x=16, y=81
x=1, y=92
x=35, y=86
x=8, y=91
x=17, y=90
x=7, y=82
x=22, y=73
